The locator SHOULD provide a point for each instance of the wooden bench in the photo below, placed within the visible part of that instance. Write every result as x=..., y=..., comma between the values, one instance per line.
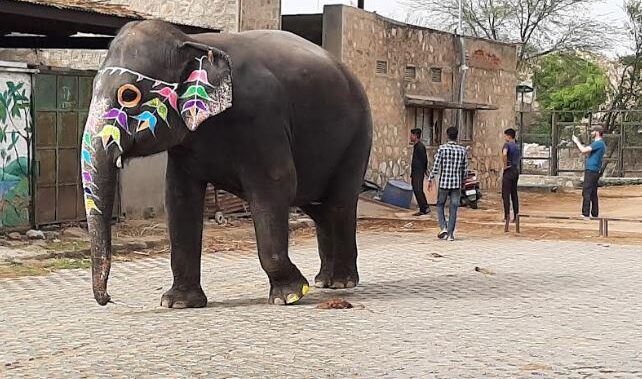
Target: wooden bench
x=603, y=221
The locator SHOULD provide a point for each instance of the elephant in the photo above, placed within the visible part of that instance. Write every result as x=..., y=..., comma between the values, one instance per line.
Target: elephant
x=264, y=115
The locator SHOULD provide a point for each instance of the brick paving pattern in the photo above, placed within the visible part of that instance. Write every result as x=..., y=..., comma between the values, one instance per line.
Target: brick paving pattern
x=545, y=309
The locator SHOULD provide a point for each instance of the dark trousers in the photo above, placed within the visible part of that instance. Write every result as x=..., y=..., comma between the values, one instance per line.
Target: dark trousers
x=589, y=194
x=509, y=191
x=418, y=189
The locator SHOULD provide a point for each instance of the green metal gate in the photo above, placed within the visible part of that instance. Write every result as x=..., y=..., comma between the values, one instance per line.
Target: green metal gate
x=61, y=103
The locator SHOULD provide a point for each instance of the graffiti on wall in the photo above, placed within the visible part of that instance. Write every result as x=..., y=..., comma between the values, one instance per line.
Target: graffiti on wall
x=15, y=131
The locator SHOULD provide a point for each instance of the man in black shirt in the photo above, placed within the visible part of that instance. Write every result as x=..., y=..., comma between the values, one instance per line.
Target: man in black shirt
x=418, y=169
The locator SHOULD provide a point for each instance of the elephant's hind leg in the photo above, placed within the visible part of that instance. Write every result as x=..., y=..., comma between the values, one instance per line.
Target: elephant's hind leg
x=184, y=198
x=336, y=236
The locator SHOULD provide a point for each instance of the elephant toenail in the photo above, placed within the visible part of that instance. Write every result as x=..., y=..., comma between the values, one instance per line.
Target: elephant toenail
x=305, y=289
x=278, y=301
x=292, y=298
x=351, y=284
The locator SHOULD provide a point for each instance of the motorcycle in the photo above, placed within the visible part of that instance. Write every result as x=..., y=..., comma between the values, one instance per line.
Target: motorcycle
x=471, y=193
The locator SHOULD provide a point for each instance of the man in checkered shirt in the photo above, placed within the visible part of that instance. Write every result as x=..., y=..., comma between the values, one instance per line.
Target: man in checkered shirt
x=451, y=164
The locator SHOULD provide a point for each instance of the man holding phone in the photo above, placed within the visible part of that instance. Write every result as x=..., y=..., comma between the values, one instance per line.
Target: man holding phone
x=595, y=154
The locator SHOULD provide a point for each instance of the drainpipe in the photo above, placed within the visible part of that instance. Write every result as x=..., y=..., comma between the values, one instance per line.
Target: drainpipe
x=462, y=70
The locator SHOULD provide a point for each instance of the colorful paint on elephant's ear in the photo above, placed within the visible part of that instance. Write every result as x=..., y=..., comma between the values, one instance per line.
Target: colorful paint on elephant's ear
x=196, y=107
x=160, y=107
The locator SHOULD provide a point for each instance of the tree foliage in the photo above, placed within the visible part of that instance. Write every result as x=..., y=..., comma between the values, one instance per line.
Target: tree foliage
x=539, y=26
x=627, y=92
x=569, y=82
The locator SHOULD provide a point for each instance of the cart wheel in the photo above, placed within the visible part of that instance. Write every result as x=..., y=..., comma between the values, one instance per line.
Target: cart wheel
x=219, y=218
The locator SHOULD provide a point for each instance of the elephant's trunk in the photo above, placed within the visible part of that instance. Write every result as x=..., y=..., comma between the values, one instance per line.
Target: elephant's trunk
x=99, y=181
x=100, y=233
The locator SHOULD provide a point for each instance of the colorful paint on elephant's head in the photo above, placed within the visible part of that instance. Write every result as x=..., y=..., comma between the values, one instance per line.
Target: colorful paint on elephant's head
x=162, y=94
x=108, y=123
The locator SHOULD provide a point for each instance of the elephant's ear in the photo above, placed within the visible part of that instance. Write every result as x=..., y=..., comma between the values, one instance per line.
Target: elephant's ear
x=206, y=87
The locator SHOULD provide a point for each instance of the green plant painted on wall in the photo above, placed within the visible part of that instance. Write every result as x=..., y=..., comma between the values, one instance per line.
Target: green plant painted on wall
x=15, y=131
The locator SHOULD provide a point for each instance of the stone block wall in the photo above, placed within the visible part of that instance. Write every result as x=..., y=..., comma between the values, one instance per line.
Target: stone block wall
x=260, y=14
x=367, y=38
x=360, y=39
x=215, y=14
x=491, y=79
x=78, y=59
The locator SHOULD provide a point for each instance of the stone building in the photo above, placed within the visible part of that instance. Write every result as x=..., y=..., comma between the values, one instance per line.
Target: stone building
x=411, y=76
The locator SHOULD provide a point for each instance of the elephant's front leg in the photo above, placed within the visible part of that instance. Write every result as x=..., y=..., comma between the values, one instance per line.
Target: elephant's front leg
x=184, y=198
x=270, y=214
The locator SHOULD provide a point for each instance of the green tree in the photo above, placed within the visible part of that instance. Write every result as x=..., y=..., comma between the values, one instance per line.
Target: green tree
x=568, y=82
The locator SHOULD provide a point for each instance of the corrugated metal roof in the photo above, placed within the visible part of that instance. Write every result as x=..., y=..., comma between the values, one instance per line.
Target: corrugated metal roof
x=97, y=6
x=437, y=102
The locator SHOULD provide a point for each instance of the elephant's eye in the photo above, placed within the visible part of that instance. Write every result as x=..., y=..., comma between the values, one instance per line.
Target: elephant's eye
x=128, y=95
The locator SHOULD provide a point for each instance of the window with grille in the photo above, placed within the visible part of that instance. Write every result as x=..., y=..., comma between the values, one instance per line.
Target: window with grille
x=382, y=67
x=410, y=73
x=435, y=74
x=429, y=120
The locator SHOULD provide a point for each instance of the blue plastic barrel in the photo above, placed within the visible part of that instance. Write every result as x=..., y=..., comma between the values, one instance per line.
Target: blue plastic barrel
x=398, y=193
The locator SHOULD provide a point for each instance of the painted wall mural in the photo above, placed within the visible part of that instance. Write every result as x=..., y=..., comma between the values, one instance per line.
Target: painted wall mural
x=15, y=142
x=200, y=100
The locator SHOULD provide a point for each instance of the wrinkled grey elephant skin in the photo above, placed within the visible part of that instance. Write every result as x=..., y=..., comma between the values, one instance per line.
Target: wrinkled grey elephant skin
x=264, y=115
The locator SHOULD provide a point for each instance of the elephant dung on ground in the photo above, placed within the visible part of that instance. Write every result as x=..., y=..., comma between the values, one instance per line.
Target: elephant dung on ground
x=264, y=115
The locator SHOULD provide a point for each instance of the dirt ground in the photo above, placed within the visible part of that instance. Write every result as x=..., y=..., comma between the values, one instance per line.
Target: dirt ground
x=620, y=202
x=238, y=234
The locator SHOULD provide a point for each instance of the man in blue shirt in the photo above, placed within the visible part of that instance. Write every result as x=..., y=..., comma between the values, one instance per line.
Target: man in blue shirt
x=511, y=158
x=595, y=153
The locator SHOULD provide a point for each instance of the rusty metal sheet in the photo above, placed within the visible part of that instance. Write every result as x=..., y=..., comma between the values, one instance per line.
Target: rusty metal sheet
x=68, y=165
x=45, y=92
x=67, y=202
x=46, y=129
x=68, y=129
x=67, y=92
x=62, y=101
x=45, y=204
x=85, y=87
x=46, y=167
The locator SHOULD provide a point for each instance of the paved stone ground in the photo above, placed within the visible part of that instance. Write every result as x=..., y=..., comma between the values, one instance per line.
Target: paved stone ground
x=545, y=309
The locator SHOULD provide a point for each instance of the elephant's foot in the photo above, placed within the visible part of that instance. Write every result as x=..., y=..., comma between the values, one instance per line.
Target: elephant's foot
x=339, y=280
x=184, y=297
x=289, y=291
